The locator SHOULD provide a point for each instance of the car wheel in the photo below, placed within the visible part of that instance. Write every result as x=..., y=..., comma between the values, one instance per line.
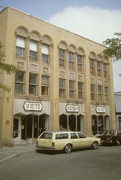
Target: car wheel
x=37, y=151
x=94, y=145
x=118, y=142
x=68, y=148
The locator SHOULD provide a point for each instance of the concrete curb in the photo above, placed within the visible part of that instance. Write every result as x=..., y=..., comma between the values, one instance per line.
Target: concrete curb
x=10, y=157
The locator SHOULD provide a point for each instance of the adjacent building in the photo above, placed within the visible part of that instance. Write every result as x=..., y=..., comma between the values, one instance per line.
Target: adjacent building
x=63, y=82
x=118, y=110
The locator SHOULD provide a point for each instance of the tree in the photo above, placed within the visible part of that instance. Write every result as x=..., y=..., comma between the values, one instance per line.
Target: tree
x=5, y=67
x=113, y=45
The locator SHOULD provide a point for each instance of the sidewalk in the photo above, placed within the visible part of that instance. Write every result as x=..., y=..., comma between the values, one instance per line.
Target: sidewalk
x=7, y=153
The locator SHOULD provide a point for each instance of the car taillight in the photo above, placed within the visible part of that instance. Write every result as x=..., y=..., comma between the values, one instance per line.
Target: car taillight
x=53, y=144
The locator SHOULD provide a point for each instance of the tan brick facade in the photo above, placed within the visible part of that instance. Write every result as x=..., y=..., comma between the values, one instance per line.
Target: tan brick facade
x=63, y=82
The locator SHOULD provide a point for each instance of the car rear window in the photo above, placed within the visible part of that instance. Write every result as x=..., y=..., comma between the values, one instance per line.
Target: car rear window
x=62, y=136
x=81, y=135
x=46, y=136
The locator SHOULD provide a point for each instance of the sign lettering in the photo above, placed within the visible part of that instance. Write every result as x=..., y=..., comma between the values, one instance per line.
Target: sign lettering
x=32, y=106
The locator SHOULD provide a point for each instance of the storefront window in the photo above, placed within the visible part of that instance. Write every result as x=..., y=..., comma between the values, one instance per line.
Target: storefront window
x=99, y=124
x=120, y=123
x=15, y=128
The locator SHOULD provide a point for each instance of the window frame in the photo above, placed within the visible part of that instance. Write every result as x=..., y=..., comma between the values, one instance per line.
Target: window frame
x=71, y=58
x=34, y=85
x=62, y=58
x=45, y=86
x=20, y=83
x=72, y=90
x=21, y=48
x=62, y=89
x=45, y=55
x=33, y=54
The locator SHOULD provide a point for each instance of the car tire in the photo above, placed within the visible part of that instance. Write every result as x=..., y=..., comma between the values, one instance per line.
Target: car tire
x=68, y=148
x=94, y=145
x=118, y=142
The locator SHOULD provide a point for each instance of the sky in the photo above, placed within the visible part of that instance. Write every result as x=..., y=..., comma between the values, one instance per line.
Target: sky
x=94, y=19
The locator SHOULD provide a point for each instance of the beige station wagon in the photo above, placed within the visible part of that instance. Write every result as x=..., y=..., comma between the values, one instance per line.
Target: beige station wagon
x=65, y=140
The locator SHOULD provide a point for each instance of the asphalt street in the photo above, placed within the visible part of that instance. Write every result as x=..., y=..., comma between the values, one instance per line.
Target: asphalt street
x=101, y=164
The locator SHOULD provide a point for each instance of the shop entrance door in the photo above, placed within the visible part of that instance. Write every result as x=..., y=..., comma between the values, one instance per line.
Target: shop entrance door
x=26, y=127
x=32, y=126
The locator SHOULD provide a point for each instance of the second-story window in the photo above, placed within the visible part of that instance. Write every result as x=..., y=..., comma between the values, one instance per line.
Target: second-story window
x=61, y=58
x=71, y=61
x=19, y=82
x=62, y=88
x=99, y=93
x=33, y=50
x=45, y=53
x=45, y=85
x=71, y=89
x=20, y=47
x=92, y=90
x=79, y=63
x=80, y=90
x=32, y=84
x=106, y=94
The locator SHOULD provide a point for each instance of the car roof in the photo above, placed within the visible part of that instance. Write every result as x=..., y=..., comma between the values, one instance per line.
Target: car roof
x=62, y=132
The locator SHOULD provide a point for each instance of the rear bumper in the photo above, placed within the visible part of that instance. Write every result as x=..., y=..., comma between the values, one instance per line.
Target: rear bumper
x=44, y=148
x=107, y=141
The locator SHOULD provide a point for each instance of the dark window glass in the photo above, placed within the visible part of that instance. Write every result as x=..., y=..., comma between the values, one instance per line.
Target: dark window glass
x=19, y=82
x=74, y=136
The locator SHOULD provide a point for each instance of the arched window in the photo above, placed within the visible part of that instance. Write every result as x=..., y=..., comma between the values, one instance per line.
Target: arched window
x=46, y=49
x=33, y=45
x=99, y=65
x=92, y=58
x=62, y=54
x=71, y=57
x=80, y=60
x=21, y=35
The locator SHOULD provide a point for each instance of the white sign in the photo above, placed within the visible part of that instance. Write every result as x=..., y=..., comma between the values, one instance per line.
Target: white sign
x=100, y=109
x=32, y=106
x=72, y=108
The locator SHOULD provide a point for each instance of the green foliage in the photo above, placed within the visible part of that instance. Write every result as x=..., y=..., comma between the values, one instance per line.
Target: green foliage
x=113, y=45
x=5, y=67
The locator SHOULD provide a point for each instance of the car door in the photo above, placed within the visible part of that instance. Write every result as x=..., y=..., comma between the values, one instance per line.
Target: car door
x=84, y=141
x=75, y=140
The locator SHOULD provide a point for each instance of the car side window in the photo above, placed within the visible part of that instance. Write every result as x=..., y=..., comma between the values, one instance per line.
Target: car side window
x=61, y=136
x=81, y=135
x=46, y=136
x=74, y=136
